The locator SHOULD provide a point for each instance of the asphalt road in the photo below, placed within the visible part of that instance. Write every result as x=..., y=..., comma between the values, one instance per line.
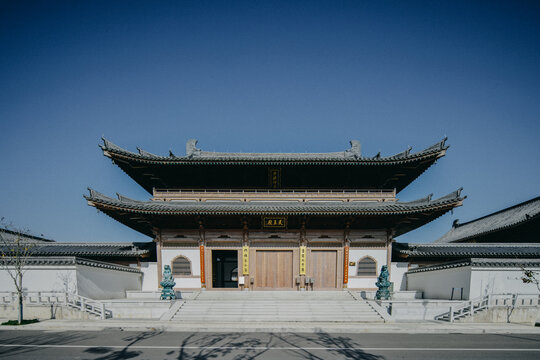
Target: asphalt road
x=115, y=344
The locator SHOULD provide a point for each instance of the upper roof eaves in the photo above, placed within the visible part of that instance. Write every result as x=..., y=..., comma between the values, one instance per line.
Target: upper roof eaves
x=281, y=207
x=352, y=155
x=500, y=220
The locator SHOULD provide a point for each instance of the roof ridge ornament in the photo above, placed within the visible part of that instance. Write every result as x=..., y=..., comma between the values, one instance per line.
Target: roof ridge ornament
x=191, y=148
x=441, y=145
x=354, y=151
x=145, y=153
x=109, y=145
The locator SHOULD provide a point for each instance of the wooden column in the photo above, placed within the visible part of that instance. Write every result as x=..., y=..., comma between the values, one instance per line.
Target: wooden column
x=346, y=244
x=202, y=243
x=389, y=253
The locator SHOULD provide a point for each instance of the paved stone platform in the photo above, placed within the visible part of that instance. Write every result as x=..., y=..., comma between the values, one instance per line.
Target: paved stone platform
x=432, y=327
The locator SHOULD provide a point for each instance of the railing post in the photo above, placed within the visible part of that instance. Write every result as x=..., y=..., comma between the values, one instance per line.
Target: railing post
x=451, y=314
x=472, y=308
x=102, y=311
x=82, y=304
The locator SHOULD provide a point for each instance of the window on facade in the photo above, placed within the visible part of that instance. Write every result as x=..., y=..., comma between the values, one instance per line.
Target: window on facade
x=366, y=267
x=181, y=266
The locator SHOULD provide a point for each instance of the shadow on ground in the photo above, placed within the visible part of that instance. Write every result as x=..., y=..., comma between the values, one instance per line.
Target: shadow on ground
x=296, y=346
x=25, y=337
x=126, y=352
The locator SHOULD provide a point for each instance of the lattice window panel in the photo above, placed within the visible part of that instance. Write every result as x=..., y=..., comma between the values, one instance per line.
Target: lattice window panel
x=181, y=266
x=366, y=267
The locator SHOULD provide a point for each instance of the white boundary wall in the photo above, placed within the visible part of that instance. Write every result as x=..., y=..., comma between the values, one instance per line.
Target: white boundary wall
x=397, y=275
x=438, y=284
x=503, y=280
x=92, y=282
x=97, y=283
x=149, y=276
x=43, y=278
x=475, y=281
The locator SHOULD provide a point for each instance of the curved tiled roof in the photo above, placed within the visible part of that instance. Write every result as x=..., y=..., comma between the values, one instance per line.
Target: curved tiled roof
x=72, y=260
x=11, y=235
x=350, y=156
x=467, y=250
x=516, y=263
x=88, y=249
x=518, y=214
x=275, y=207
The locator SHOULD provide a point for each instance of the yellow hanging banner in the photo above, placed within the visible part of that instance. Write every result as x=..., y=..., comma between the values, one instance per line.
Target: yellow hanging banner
x=245, y=260
x=303, y=251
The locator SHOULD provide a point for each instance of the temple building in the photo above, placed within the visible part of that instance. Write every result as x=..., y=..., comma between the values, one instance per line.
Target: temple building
x=516, y=224
x=287, y=221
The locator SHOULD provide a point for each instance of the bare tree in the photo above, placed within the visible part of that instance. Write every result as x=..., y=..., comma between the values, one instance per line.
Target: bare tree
x=16, y=247
x=531, y=277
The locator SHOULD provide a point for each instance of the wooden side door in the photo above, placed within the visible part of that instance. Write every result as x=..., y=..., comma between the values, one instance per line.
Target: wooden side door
x=274, y=269
x=323, y=269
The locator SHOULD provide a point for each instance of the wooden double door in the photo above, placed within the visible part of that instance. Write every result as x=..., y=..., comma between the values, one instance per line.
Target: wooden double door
x=274, y=269
x=279, y=269
x=323, y=269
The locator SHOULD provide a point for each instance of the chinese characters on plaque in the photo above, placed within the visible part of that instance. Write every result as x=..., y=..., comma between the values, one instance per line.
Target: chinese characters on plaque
x=303, y=251
x=245, y=260
x=274, y=222
x=274, y=178
x=346, y=265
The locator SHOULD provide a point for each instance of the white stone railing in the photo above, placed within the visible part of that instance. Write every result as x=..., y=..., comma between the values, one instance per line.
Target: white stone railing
x=470, y=307
x=70, y=300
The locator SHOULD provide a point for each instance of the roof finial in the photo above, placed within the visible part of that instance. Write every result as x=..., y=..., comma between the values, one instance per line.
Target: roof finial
x=455, y=223
x=191, y=148
x=354, y=150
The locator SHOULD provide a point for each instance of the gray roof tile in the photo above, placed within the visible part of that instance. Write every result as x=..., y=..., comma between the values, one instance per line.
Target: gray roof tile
x=278, y=207
x=87, y=249
x=503, y=219
x=480, y=263
x=467, y=250
x=352, y=155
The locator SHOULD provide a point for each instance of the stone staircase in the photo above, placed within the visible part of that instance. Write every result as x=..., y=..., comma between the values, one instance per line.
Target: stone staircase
x=276, y=306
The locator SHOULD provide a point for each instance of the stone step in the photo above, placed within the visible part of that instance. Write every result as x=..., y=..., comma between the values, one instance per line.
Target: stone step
x=276, y=306
x=278, y=319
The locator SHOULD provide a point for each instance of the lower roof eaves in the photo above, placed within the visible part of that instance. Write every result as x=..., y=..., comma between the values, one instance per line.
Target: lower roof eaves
x=480, y=263
x=75, y=260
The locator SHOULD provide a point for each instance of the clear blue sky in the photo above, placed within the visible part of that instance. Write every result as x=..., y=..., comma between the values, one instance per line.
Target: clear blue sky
x=263, y=77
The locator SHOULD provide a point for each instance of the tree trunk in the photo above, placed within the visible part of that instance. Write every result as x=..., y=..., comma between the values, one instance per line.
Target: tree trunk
x=20, y=293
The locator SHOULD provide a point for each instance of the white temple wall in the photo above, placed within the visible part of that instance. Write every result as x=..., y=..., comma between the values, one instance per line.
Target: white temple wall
x=355, y=254
x=149, y=276
x=193, y=255
x=438, y=284
x=97, y=283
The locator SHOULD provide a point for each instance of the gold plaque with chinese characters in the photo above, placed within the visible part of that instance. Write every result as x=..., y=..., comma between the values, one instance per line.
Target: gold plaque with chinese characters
x=274, y=222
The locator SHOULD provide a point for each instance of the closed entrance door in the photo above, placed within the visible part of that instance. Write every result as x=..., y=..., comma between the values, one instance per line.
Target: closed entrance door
x=324, y=269
x=274, y=269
